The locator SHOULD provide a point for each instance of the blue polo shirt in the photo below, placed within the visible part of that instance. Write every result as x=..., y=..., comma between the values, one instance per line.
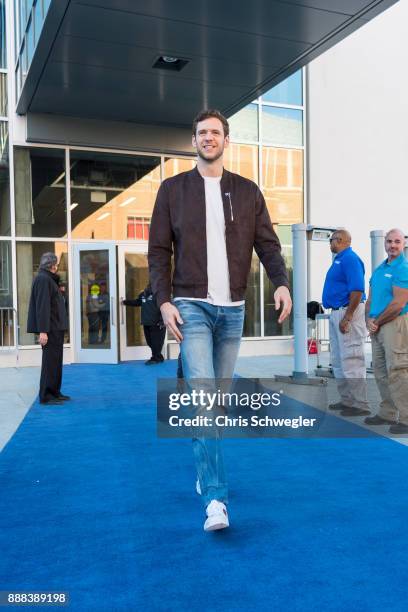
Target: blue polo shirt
x=384, y=278
x=345, y=275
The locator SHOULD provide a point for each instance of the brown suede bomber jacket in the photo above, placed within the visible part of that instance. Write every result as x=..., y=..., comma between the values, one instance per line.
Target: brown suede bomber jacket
x=179, y=225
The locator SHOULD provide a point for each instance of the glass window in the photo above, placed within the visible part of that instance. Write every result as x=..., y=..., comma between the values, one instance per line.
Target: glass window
x=28, y=259
x=3, y=49
x=252, y=321
x=40, y=192
x=244, y=124
x=30, y=41
x=138, y=228
x=23, y=61
x=3, y=94
x=136, y=279
x=107, y=189
x=242, y=159
x=46, y=4
x=6, y=295
x=38, y=20
x=282, y=173
x=95, y=299
x=271, y=325
x=5, y=217
x=283, y=126
x=173, y=166
x=287, y=92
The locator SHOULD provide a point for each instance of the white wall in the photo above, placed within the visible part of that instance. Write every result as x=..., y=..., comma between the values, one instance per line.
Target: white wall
x=358, y=136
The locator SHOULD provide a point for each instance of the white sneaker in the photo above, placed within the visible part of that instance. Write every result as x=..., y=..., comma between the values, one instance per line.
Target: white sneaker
x=198, y=488
x=217, y=516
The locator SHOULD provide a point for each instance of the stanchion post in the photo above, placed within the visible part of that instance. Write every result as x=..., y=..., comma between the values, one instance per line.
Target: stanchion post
x=377, y=248
x=300, y=299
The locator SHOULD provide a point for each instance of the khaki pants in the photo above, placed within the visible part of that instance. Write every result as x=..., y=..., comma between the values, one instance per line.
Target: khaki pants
x=390, y=363
x=347, y=358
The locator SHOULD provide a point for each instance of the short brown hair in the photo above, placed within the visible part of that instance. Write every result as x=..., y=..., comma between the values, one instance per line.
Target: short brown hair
x=208, y=114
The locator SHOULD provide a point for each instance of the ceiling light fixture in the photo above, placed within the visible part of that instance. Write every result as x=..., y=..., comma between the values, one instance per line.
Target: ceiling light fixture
x=169, y=62
x=128, y=201
x=102, y=216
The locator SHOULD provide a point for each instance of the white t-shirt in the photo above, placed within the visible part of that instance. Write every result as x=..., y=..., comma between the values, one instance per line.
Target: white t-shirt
x=217, y=262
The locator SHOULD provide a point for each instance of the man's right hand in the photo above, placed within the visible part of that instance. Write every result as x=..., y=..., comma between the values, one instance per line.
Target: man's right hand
x=43, y=339
x=171, y=317
x=372, y=326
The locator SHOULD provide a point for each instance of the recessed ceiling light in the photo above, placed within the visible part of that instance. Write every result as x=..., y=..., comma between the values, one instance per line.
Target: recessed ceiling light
x=102, y=216
x=128, y=201
x=169, y=62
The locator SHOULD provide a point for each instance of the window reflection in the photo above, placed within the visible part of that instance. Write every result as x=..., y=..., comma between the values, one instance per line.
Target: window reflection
x=252, y=321
x=242, y=159
x=173, y=166
x=283, y=126
x=109, y=192
x=3, y=56
x=95, y=299
x=6, y=295
x=136, y=279
x=5, y=222
x=287, y=92
x=3, y=94
x=282, y=172
x=40, y=192
x=271, y=325
x=28, y=259
x=244, y=124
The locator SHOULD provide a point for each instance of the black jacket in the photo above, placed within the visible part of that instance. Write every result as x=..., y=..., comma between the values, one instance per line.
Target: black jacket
x=150, y=312
x=179, y=224
x=46, y=311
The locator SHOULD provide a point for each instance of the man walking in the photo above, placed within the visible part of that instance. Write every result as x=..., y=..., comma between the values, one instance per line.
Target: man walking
x=343, y=292
x=47, y=316
x=387, y=322
x=212, y=220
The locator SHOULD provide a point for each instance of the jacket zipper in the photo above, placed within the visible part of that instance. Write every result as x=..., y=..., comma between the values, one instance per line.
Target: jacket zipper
x=228, y=194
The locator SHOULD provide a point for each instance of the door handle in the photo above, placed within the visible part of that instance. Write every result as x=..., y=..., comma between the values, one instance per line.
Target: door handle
x=122, y=308
x=113, y=311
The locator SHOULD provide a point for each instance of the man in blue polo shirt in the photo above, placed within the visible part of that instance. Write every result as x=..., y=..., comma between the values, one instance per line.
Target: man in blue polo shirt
x=343, y=292
x=387, y=322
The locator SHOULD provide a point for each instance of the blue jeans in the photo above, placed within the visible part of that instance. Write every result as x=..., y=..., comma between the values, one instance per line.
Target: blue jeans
x=209, y=350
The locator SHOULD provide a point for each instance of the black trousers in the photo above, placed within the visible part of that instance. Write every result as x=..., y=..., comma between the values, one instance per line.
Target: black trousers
x=51, y=366
x=155, y=339
x=93, y=327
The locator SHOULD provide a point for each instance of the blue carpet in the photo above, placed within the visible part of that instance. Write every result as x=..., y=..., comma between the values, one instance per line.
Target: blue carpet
x=94, y=504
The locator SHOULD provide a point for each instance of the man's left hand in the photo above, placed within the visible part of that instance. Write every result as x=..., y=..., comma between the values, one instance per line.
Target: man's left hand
x=282, y=299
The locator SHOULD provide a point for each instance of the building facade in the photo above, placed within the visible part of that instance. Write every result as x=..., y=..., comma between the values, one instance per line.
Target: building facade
x=91, y=205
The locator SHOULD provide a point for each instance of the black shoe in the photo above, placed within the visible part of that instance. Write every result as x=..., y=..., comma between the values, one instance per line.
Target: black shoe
x=338, y=406
x=152, y=361
x=398, y=428
x=377, y=420
x=351, y=412
x=63, y=397
x=52, y=402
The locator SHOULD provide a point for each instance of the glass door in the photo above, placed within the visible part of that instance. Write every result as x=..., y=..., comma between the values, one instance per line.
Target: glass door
x=96, y=339
x=133, y=277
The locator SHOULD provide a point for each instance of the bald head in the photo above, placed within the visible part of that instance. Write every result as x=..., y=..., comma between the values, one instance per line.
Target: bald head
x=397, y=232
x=394, y=243
x=340, y=240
